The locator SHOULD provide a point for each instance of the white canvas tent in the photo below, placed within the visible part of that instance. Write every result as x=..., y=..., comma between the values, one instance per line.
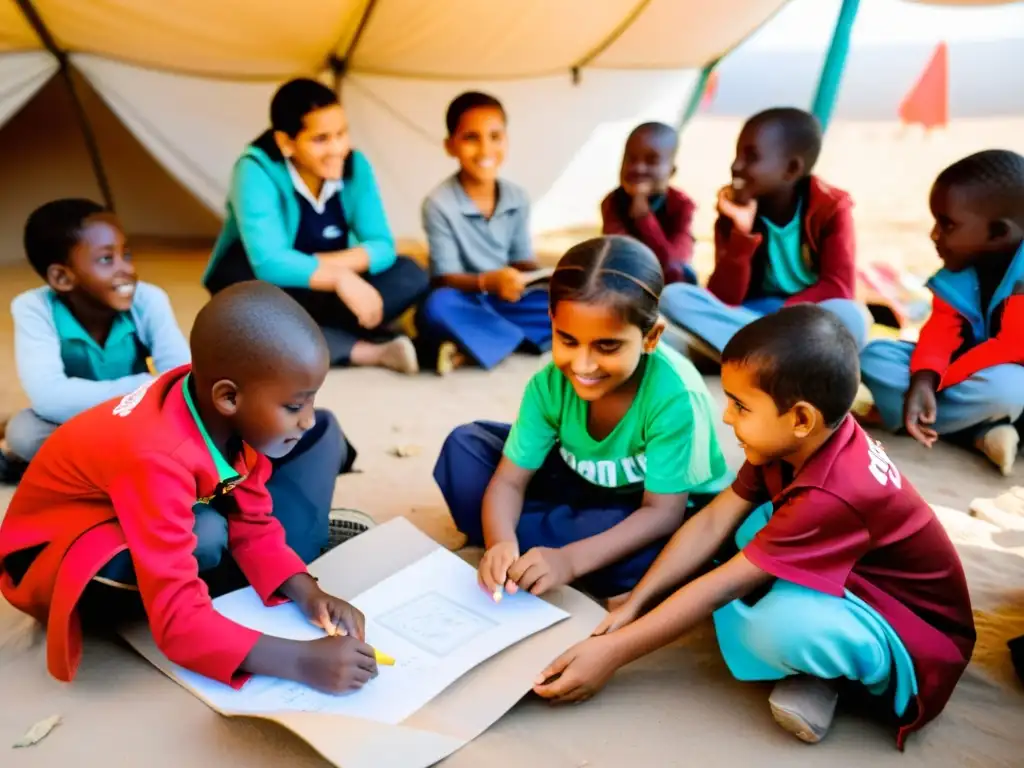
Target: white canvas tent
x=173, y=90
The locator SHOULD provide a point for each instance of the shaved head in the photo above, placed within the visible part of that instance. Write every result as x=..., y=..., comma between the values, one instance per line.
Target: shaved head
x=254, y=331
x=658, y=134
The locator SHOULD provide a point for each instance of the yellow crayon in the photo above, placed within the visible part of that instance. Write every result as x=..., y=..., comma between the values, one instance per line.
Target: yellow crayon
x=383, y=658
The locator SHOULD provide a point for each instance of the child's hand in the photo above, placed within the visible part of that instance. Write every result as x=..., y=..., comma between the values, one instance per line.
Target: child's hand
x=542, y=569
x=578, y=673
x=361, y=298
x=334, y=615
x=920, y=409
x=336, y=664
x=625, y=614
x=493, y=569
x=640, y=204
x=741, y=213
x=508, y=283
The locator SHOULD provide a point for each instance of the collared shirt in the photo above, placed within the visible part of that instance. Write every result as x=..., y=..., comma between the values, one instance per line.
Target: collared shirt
x=122, y=354
x=227, y=474
x=463, y=241
x=328, y=189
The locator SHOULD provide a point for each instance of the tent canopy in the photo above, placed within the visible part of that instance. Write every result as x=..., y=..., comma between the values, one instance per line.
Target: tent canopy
x=191, y=81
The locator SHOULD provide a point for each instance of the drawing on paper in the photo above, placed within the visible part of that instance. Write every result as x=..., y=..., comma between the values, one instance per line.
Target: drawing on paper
x=435, y=624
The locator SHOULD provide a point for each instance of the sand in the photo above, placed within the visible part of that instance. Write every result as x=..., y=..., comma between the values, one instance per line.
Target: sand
x=677, y=707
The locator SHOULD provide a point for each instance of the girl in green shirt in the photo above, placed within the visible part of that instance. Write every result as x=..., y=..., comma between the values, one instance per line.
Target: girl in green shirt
x=614, y=439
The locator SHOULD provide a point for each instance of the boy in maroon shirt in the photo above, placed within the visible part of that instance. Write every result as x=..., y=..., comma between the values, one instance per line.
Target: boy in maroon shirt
x=126, y=494
x=843, y=570
x=645, y=207
x=783, y=236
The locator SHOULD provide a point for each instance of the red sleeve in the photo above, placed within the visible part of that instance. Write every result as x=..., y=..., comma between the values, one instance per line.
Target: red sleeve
x=611, y=223
x=749, y=484
x=837, y=253
x=256, y=538
x=674, y=245
x=153, y=498
x=734, y=254
x=1006, y=347
x=941, y=336
x=814, y=539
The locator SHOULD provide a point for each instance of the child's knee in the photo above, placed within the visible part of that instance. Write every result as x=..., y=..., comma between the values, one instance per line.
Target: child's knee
x=211, y=531
x=440, y=303
x=26, y=432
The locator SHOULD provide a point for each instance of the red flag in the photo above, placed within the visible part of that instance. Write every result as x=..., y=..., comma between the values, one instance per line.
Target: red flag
x=927, y=103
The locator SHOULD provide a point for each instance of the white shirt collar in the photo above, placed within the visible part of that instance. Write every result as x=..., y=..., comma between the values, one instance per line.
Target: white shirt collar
x=328, y=190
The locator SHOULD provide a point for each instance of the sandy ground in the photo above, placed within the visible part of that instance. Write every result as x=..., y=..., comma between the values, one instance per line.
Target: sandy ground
x=677, y=707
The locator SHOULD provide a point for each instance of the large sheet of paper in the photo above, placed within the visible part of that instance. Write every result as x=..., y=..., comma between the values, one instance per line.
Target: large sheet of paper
x=431, y=616
x=425, y=648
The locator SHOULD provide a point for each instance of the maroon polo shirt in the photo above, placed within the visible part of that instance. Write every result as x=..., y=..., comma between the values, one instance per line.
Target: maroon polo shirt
x=850, y=520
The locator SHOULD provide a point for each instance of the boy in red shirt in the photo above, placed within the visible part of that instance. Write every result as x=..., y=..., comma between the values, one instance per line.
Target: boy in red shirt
x=645, y=207
x=783, y=237
x=843, y=570
x=111, y=501
x=965, y=376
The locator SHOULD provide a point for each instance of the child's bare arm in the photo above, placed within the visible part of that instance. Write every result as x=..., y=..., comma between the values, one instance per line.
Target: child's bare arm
x=660, y=515
x=691, y=547
x=500, y=511
x=584, y=669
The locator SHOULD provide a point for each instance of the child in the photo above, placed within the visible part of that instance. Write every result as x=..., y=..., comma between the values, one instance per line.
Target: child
x=965, y=376
x=613, y=441
x=644, y=206
x=843, y=570
x=304, y=212
x=109, y=501
x=479, y=236
x=90, y=333
x=783, y=237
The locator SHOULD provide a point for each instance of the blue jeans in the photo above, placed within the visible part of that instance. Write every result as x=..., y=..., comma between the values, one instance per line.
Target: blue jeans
x=990, y=396
x=560, y=507
x=701, y=313
x=486, y=328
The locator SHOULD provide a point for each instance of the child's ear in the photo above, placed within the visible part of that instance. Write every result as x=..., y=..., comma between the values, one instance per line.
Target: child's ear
x=654, y=335
x=1004, y=231
x=225, y=397
x=805, y=419
x=60, y=278
x=285, y=143
x=795, y=169
x=449, y=146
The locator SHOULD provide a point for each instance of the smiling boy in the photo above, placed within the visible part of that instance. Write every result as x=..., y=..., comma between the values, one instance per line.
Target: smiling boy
x=478, y=230
x=90, y=333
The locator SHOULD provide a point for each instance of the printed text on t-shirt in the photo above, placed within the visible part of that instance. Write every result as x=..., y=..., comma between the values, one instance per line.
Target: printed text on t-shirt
x=608, y=473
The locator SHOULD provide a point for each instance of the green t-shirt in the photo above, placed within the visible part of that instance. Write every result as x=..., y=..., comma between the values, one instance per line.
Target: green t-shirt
x=665, y=443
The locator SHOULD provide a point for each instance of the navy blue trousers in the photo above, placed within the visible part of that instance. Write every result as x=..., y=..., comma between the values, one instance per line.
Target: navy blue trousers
x=560, y=508
x=486, y=328
x=301, y=486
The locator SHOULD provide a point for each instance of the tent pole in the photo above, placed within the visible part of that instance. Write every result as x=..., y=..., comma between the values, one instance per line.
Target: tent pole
x=696, y=95
x=33, y=18
x=835, y=63
x=339, y=64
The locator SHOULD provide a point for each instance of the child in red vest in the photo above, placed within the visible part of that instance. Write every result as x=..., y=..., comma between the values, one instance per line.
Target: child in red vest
x=843, y=575
x=135, y=493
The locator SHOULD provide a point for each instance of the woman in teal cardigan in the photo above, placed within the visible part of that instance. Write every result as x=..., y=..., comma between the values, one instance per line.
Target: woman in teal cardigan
x=304, y=213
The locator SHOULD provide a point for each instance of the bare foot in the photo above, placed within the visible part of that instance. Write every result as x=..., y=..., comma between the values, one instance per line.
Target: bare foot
x=449, y=358
x=1000, y=445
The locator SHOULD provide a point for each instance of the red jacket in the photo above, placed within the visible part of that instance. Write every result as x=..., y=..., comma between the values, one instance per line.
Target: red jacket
x=126, y=473
x=828, y=244
x=666, y=231
x=956, y=342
